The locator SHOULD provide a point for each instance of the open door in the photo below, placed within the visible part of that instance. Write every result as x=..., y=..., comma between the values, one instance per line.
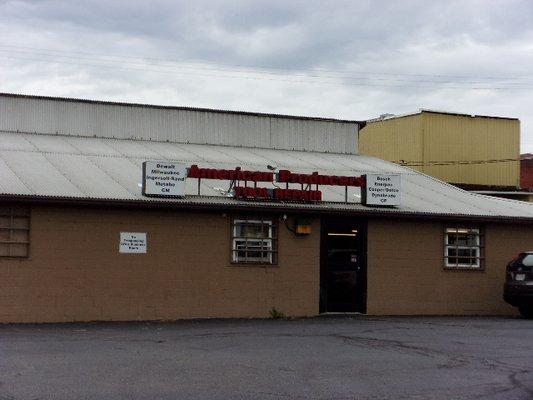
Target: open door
x=343, y=266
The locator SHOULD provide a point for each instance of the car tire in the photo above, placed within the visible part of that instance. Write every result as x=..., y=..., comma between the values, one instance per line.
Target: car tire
x=526, y=312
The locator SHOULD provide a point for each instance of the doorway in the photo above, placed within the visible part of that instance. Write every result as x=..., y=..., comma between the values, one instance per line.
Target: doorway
x=343, y=265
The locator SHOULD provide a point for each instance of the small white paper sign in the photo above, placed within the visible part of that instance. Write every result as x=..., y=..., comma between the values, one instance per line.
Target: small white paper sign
x=163, y=179
x=132, y=242
x=382, y=190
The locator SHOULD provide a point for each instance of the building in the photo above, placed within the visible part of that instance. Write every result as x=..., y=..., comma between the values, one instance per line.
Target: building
x=114, y=211
x=477, y=153
x=526, y=173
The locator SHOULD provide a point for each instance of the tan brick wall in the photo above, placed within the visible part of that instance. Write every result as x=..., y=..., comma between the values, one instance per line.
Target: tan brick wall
x=406, y=274
x=75, y=272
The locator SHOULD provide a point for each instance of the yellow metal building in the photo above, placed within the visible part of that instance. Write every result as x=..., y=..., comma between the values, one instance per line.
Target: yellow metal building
x=457, y=148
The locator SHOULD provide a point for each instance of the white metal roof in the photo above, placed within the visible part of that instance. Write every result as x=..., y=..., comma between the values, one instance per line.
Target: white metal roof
x=99, y=168
x=85, y=118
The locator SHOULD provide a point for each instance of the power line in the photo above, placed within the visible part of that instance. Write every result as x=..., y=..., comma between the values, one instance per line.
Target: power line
x=338, y=80
x=258, y=76
x=453, y=162
x=284, y=68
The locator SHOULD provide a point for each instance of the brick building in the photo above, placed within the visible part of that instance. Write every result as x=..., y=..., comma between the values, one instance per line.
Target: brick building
x=101, y=218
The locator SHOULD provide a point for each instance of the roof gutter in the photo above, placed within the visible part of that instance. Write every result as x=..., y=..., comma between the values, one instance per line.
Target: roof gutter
x=190, y=206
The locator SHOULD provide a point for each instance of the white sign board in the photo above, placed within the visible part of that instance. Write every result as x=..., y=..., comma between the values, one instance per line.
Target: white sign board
x=163, y=179
x=382, y=190
x=132, y=242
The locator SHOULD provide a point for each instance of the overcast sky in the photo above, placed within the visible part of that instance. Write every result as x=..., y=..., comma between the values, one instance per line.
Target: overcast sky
x=343, y=59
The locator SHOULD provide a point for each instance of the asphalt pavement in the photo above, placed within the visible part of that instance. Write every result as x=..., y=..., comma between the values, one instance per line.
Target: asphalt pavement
x=321, y=358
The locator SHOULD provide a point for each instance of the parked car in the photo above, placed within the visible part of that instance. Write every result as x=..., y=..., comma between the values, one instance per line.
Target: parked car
x=518, y=288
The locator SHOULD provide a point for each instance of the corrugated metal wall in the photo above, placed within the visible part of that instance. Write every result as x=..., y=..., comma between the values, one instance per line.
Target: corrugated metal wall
x=429, y=137
x=393, y=139
x=491, y=141
x=55, y=116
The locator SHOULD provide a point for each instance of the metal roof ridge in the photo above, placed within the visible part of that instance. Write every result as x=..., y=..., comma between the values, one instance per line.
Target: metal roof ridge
x=428, y=110
x=184, y=108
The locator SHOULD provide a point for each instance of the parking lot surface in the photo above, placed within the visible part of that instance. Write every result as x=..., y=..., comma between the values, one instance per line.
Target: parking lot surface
x=319, y=358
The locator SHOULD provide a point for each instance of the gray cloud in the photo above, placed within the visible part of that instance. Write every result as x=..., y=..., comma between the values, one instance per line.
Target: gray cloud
x=401, y=56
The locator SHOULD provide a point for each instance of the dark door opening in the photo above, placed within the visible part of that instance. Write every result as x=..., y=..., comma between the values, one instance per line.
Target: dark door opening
x=343, y=266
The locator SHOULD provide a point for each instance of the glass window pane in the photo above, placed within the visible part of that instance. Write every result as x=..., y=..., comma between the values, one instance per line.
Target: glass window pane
x=4, y=250
x=19, y=236
x=21, y=222
x=253, y=231
x=19, y=250
x=4, y=235
x=5, y=221
x=14, y=231
x=528, y=260
x=462, y=247
x=251, y=239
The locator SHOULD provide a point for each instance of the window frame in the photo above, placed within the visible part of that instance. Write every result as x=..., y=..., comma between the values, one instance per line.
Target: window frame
x=479, y=248
x=271, y=239
x=15, y=211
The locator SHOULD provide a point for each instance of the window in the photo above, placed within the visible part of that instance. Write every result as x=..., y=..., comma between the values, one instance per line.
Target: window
x=254, y=241
x=14, y=231
x=527, y=261
x=463, y=248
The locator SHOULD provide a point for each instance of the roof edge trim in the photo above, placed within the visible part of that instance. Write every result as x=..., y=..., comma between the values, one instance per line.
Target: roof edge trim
x=426, y=110
x=75, y=201
x=182, y=108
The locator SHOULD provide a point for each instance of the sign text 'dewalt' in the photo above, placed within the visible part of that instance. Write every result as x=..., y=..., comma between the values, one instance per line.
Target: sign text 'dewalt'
x=162, y=178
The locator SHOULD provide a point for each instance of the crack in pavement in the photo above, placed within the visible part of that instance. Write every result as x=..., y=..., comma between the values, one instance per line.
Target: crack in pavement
x=460, y=361
x=518, y=384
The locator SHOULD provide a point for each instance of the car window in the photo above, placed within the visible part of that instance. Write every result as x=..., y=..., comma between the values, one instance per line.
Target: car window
x=528, y=260
x=516, y=262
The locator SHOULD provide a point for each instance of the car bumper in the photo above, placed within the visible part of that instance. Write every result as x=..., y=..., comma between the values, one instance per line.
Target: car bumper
x=518, y=294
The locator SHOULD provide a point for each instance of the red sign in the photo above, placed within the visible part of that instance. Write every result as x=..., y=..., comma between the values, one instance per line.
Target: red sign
x=316, y=179
x=283, y=175
x=277, y=194
x=232, y=175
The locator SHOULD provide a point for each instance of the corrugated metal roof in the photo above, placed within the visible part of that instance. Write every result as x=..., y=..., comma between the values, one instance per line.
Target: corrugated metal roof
x=81, y=118
x=427, y=110
x=158, y=106
x=97, y=168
